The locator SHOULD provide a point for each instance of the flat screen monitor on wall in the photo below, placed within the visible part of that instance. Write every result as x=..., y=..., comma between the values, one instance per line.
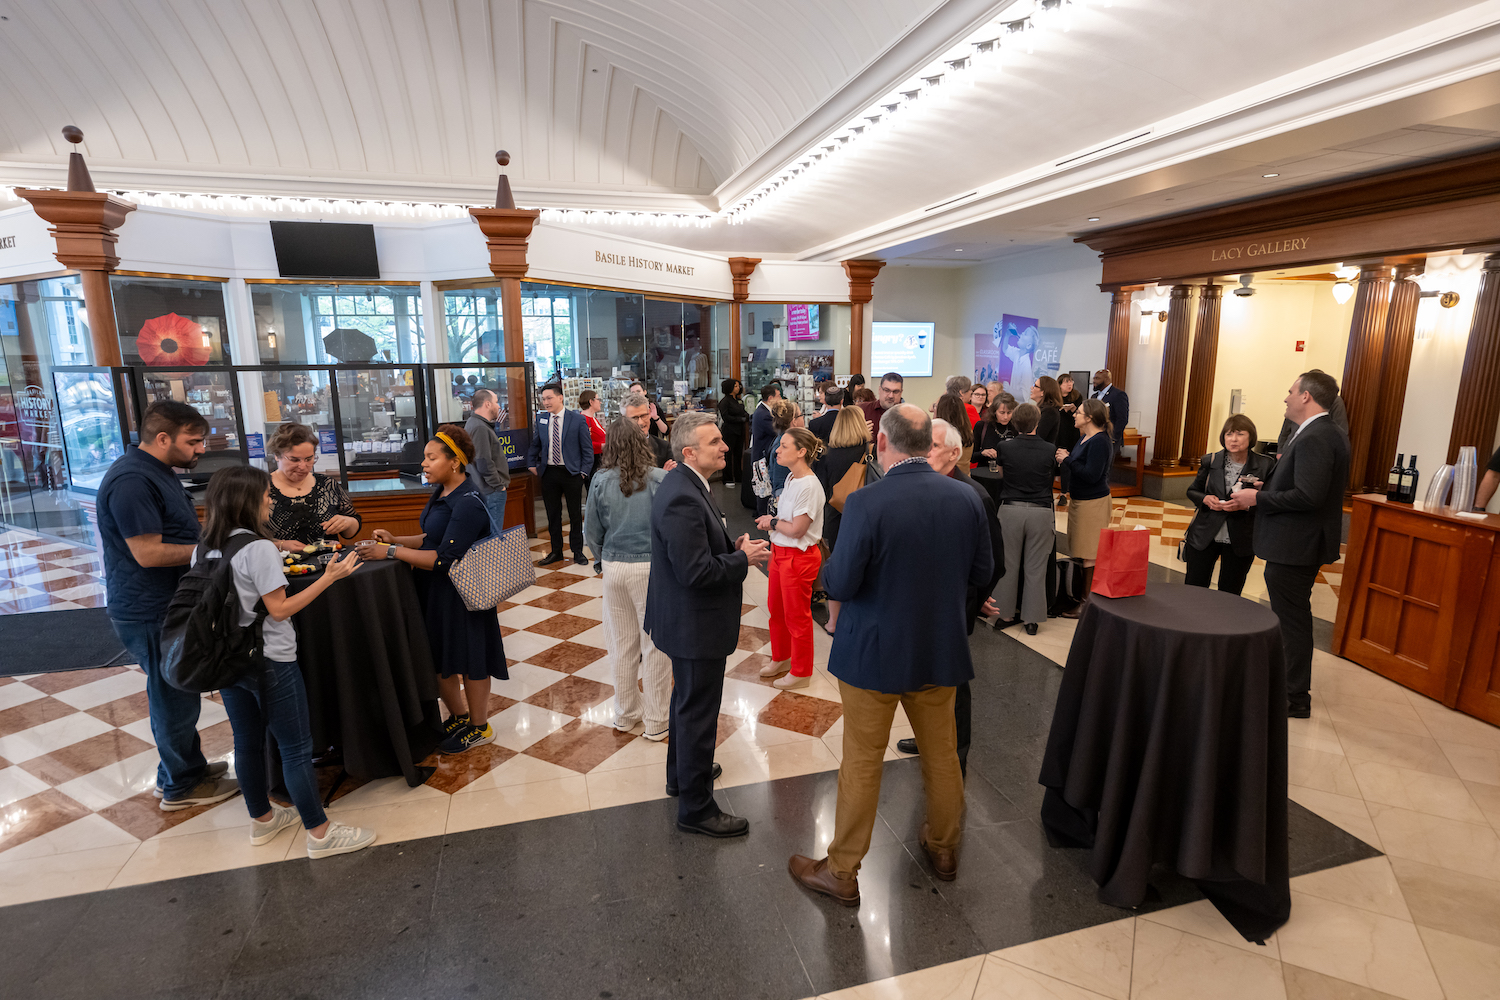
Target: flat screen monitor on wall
x=325, y=249
x=904, y=348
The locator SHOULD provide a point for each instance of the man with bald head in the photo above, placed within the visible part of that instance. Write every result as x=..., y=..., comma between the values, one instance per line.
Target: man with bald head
x=902, y=640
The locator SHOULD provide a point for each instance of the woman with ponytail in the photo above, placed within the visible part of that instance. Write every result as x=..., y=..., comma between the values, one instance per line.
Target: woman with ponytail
x=795, y=529
x=466, y=647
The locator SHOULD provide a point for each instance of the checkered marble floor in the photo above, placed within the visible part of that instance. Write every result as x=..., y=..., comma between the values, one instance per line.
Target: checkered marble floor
x=40, y=573
x=77, y=761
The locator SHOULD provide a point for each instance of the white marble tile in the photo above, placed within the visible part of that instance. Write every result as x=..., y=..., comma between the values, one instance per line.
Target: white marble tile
x=1359, y=946
x=526, y=679
x=50, y=736
x=524, y=616
x=1398, y=717
x=104, y=690
x=785, y=760
x=521, y=725
x=17, y=783
x=1468, y=969
x=1448, y=726
x=601, y=670
x=524, y=645
x=384, y=792
x=1348, y=813
x=1095, y=958
x=598, y=637
x=12, y=695
x=636, y=753
x=1436, y=840
x=114, y=782
x=392, y=821
x=530, y=594
x=1325, y=771
x=1472, y=763
x=55, y=875
x=210, y=713
x=1417, y=753
x=1204, y=920
x=517, y=803
x=520, y=770
x=229, y=814
x=949, y=981
x=623, y=785
x=1428, y=793
x=1170, y=964
x=1002, y=980
x=213, y=851
x=80, y=592
x=744, y=699
x=87, y=833
x=593, y=608
x=754, y=734
x=1487, y=797
x=588, y=588
x=1369, y=885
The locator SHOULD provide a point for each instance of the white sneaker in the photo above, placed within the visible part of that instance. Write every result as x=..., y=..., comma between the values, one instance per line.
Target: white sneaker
x=775, y=668
x=657, y=736
x=791, y=681
x=339, y=838
x=281, y=818
x=624, y=726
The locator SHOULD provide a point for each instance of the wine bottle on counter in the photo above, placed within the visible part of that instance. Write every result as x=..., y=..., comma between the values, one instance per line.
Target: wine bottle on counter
x=1393, y=484
x=1409, y=478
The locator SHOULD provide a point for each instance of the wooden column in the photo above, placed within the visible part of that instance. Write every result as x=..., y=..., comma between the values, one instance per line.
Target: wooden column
x=740, y=269
x=1479, y=407
x=1400, y=331
x=1200, y=390
x=1121, y=324
x=861, y=290
x=1174, y=373
x=1360, y=386
x=84, y=223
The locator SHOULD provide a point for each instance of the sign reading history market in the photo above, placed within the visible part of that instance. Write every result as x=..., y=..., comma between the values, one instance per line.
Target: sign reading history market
x=641, y=263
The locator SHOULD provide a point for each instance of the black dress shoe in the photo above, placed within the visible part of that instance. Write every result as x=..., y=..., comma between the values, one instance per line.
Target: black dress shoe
x=1001, y=626
x=908, y=745
x=713, y=776
x=580, y=561
x=722, y=825
x=555, y=557
x=1031, y=628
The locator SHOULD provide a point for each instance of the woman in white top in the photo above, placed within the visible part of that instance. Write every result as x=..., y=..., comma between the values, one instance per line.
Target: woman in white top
x=239, y=502
x=795, y=529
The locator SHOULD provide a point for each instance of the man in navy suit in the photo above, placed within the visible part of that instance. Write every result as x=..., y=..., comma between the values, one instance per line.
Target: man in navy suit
x=1118, y=402
x=693, y=615
x=1301, y=522
x=560, y=456
x=902, y=639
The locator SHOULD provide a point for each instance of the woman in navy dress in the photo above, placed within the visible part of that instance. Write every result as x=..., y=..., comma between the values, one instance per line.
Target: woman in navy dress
x=466, y=644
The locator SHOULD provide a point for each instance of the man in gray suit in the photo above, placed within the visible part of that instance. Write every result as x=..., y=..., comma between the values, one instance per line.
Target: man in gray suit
x=491, y=469
x=1301, y=522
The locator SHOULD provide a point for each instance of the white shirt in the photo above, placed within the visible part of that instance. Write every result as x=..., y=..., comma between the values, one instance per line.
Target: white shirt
x=701, y=477
x=800, y=496
x=1301, y=426
x=257, y=571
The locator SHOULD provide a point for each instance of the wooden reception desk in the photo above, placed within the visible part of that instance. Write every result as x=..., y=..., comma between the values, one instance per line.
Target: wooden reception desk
x=1420, y=602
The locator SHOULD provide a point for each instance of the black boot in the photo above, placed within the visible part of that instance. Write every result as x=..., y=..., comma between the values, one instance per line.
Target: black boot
x=1088, y=593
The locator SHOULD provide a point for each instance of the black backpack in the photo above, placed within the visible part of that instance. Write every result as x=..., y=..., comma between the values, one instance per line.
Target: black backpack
x=204, y=646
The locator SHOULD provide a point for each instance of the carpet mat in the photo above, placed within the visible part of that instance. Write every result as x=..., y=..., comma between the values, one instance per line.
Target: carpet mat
x=43, y=642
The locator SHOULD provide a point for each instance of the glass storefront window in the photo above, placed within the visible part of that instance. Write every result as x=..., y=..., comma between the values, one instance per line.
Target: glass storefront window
x=337, y=324
x=211, y=393
x=547, y=326
x=782, y=339
x=453, y=395
x=474, y=327
x=170, y=322
x=90, y=420
x=273, y=398
x=379, y=417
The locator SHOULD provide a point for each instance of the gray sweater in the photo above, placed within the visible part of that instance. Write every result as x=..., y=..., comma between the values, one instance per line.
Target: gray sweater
x=491, y=469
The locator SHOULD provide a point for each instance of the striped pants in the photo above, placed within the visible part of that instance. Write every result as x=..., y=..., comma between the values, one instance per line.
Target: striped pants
x=632, y=653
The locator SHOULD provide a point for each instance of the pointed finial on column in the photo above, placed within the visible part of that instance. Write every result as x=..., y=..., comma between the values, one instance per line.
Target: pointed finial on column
x=503, y=197
x=78, y=171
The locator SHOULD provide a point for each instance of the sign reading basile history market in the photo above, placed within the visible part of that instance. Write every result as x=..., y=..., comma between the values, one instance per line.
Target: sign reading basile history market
x=641, y=263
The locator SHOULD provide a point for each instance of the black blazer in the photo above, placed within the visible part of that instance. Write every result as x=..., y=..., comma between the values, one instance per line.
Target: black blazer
x=762, y=432
x=734, y=418
x=822, y=425
x=1119, y=411
x=989, y=434
x=697, y=575
x=1338, y=414
x=1210, y=480
x=1301, y=507
x=1049, y=425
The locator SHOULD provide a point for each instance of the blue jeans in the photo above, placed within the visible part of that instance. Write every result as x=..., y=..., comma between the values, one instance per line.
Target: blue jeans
x=173, y=711
x=281, y=707
x=495, y=504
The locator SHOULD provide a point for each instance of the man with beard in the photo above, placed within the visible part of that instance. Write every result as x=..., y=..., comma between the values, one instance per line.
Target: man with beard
x=1118, y=402
x=148, y=530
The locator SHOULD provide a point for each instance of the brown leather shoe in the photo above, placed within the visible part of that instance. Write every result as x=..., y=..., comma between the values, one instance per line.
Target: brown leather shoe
x=816, y=876
x=944, y=863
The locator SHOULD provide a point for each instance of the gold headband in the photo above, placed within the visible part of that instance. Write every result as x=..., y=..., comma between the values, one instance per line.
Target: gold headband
x=457, y=451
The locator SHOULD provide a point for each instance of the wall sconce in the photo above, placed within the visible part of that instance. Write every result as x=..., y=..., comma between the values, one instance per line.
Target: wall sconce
x=1342, y=290
x=1427, y=317
x=1445, y=299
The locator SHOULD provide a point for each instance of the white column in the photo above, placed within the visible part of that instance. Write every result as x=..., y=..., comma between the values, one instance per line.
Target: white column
x=244, y=348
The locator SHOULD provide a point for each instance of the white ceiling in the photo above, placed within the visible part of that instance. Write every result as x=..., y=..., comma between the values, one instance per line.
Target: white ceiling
x=685, y=105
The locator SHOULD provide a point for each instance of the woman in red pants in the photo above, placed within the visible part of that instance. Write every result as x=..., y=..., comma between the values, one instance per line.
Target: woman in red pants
x=795, y=529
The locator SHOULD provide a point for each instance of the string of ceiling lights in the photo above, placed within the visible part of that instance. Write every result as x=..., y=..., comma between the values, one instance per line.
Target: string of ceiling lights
x=985, y=50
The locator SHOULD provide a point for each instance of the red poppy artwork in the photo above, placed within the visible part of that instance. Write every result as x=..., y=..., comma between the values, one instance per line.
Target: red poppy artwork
x=173, y=341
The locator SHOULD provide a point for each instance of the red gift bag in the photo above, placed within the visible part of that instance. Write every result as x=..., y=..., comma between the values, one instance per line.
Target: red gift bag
x=1120, y=569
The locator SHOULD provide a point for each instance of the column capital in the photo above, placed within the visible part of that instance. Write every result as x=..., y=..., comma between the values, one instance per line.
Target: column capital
x=1211, y=291
x=506, y=231
x=83, y=223
x=862, y=278
x=740, y=269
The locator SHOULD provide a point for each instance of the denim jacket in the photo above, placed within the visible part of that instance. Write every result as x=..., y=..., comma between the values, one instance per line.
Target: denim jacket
x=618, y=528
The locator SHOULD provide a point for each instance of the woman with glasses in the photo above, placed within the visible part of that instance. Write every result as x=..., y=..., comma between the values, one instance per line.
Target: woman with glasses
x=306, y=506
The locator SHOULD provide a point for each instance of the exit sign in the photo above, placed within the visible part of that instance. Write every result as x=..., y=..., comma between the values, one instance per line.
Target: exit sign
x=1301, y=345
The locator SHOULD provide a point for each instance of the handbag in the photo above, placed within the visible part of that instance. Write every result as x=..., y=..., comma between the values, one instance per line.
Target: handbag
x=761, y=478
x=1120, y=567
x=493, y=570
x=851, y=480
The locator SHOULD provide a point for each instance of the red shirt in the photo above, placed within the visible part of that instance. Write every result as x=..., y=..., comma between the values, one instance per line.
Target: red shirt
x=596, y=433
x=973, y=413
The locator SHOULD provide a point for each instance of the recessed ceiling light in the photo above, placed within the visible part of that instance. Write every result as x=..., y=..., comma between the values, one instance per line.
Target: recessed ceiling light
x=1270, y=175
x=1093, y=218
x=959, y=250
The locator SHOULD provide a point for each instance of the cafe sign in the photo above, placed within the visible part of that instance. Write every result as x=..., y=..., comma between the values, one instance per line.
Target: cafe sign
x=1260, y=248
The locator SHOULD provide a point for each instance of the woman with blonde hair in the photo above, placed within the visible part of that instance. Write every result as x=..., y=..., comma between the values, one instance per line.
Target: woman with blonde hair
x=617, y=529
x=848, y=444
x=795, y=530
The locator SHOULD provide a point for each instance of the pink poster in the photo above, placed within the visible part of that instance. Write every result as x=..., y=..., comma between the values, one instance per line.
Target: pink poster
x=986, y=359
x=798, y=325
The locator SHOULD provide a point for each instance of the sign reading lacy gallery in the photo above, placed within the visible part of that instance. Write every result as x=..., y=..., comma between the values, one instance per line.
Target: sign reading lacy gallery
x=641, y=263
x=1263, y=249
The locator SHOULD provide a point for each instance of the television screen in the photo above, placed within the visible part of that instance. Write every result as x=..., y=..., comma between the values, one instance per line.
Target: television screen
x=904, y=348
x=325, y=249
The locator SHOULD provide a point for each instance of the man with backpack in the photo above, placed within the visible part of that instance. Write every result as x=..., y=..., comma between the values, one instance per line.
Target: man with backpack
x=148, y=530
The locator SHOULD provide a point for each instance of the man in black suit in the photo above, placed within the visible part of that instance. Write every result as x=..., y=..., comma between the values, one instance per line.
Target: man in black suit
x=561, y=455
x=1300, y=523
x=1118, y=402
x=1336, y=412
x=693, y=615
x=822, y=424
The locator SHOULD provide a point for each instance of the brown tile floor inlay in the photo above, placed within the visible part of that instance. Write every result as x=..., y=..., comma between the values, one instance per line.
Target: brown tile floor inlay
x=33, y=713
x=572, y=695
x=559, y=601
x=800, y=713
x=454, y=771
x=581, y=746
x=727, y=726
x=141, y=815
x=65, y=680
x=753, y=638
x=562, y=626
x=748, y=669
x=85, y=756
x=217, y=740
x=557, y=581
x=567, y=657
x=35, y=816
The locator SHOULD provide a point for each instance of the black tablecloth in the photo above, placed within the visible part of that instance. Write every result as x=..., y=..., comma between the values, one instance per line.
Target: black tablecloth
x=989, y=480
x=1169, y=745
x=371, y=687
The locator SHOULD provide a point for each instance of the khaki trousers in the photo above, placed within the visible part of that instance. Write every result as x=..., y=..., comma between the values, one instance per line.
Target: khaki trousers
x=867, y=732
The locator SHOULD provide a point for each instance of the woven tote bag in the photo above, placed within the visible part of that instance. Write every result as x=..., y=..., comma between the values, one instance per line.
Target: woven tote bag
x=493, y=570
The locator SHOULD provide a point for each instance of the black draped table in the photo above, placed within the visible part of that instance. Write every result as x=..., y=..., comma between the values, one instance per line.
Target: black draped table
x=371, y=687
x=991, y=481
x=1168, y=746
